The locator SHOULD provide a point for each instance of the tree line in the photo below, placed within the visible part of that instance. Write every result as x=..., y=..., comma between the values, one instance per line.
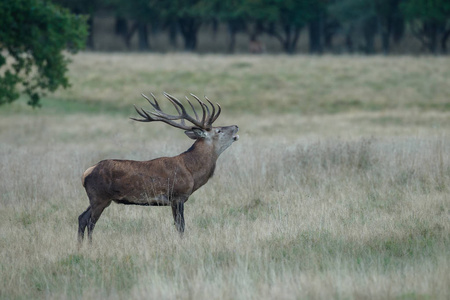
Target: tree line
x=284, y=20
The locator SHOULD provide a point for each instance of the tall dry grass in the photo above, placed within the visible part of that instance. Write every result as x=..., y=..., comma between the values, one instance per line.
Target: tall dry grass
x=352, y=204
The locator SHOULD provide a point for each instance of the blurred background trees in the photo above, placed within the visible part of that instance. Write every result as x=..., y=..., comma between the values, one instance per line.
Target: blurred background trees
x=330, y=26
x=318, y=26
x=429, y=22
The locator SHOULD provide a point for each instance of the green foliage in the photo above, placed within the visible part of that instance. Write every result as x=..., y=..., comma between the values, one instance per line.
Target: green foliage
x=427, y=10
x=296, y=12
x=370, y=17
x=229, y=10
x=187, y=15
x=80, y=6
x=352, y=10
x=282, y=19
x=139, y=10
x=31, y=50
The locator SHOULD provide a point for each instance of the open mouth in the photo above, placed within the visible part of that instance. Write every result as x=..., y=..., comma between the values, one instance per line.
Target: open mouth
x=236, y=137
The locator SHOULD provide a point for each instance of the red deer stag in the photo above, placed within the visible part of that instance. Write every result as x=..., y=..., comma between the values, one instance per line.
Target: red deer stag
x=165, y=181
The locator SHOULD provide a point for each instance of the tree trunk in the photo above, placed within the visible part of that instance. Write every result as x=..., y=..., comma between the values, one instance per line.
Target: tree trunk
x=427, y=34
x=444, y=41
x=189, y=28
x=121, y=29
x=130, y=34
x=295, y=38
x=290, y=38
x=190, y=41
x=90, y=39
x=286, y=41
x=386, y=31
x=315, y=36
x=121, y=26
x=215, y=28
x=143, y=37
x=431, y=30
x=398, y=28
x=369, y=31
x=232, y=36
x=173, y=33
x=385, y=40
x=349, y=40
x=330, y=29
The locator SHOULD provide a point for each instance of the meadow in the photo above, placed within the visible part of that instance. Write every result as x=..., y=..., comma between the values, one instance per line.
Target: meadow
x=339, y=187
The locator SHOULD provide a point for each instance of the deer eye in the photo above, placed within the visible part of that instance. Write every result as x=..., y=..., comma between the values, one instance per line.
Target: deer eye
x=219, y=131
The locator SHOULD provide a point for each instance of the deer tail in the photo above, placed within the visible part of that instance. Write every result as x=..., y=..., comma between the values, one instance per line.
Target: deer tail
x=86, y=174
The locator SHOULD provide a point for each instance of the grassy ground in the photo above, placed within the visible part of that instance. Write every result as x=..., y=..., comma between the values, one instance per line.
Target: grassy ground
x=338, y=187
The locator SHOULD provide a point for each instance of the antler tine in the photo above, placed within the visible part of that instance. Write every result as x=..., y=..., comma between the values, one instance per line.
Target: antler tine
x=158, y=112
x=192, y=106
x=158, y=115
x=203, y=105
x=206, y=117
x=185, y=115
x=218, y=113
x=155, y=105
x=212, y=105
x=143, y=114
x=210, y=120
x=175, y=102
x=149, y=116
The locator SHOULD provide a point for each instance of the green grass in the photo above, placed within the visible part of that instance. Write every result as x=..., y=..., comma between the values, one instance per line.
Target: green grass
x=268, y=84
x=337, y=189
x=262, y=84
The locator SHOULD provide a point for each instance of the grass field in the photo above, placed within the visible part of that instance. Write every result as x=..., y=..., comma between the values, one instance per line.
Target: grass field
x=339, y=187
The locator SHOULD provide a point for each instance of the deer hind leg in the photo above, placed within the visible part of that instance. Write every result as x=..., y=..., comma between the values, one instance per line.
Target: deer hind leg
x=96, y=211
x=178, y=215
x=83, y=221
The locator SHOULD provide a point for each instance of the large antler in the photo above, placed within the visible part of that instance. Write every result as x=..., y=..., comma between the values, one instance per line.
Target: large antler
x=206, y=121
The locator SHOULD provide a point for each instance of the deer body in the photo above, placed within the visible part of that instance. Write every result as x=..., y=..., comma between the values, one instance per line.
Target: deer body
x=165, y=181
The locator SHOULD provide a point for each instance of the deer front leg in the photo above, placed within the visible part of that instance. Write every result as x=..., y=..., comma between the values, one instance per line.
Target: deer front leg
x=178, y=214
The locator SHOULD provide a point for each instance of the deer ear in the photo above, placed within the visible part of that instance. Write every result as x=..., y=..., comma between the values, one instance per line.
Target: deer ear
x=195, y=133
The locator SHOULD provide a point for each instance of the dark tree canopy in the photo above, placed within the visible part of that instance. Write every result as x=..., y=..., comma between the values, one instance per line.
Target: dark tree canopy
x=187, y=15
x=429, y=21
x=282, y=19
x=32, y=47
x=368, y=26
